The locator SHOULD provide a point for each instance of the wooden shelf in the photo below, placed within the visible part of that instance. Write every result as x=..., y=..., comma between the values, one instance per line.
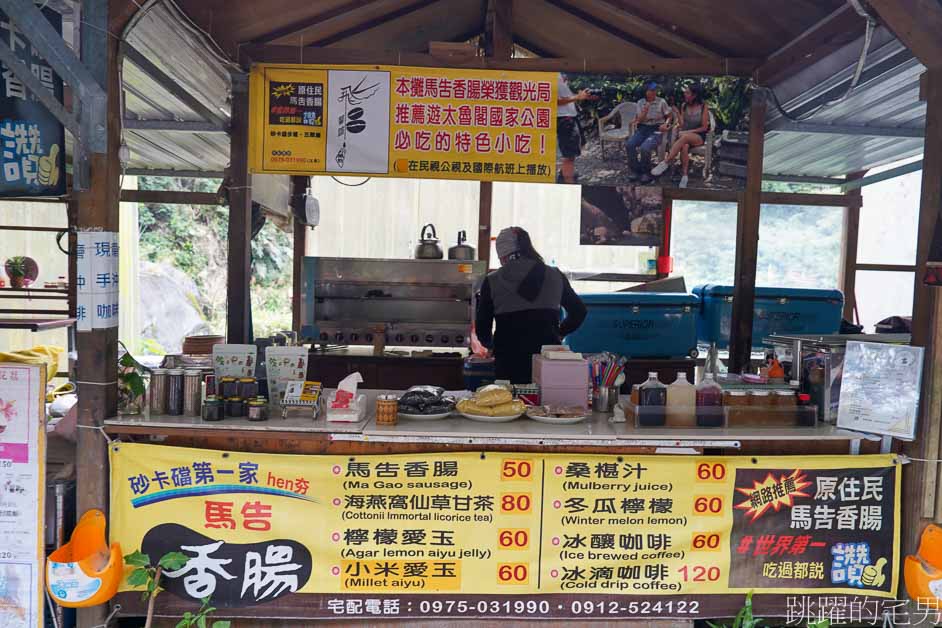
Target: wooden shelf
x=36, y=324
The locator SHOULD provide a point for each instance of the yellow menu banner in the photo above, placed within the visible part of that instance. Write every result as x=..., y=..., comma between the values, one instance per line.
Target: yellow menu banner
x=509, y=534
x=403, y=121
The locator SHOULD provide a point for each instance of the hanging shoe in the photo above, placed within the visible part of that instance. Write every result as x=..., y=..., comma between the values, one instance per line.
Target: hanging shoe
x=659, y=169
x=683, y=182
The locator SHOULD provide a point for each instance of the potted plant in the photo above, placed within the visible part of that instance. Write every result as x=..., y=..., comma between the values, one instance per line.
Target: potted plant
x=131, y=385
x=16, y=271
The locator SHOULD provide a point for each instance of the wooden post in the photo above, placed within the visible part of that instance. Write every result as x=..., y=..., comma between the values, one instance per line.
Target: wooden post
x=847, y=274
x=299, y=187
x=747, y=241
x=498, y=43
x=484, y=220
x=920, y=481
x=96, y=370
x=238, y=305
x=498, y=30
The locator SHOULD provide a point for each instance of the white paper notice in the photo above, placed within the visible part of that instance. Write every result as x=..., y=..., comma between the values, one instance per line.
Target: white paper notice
x=97, y=280
x=880, y=389
x=22, y=493
x=357, y=121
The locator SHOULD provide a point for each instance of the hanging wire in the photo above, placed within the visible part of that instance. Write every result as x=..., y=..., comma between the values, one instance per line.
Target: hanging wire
x=351, y=185
x=855, y=79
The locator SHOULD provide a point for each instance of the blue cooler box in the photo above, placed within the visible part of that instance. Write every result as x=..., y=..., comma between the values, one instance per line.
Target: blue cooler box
x=776, y=311
x=638, y=325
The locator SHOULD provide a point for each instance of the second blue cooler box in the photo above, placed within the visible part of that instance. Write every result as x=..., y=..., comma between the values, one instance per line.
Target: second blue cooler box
x=638, y=325
x=776, y=311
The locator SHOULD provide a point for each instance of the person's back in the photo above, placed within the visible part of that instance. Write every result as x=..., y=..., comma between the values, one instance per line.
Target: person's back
x=524, y=297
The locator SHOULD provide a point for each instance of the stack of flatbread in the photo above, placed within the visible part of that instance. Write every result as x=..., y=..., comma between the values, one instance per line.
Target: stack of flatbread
x=492, y=401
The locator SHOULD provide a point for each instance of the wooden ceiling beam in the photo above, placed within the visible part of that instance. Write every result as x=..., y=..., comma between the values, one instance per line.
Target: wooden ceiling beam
x=498, y=30
x=601, y=65
x=300, y=25
x=580, y=14
x=531, y=47
x=683, y=45
x=916, y=23
x=836, y=30
x=373, y=23
x=691, y=45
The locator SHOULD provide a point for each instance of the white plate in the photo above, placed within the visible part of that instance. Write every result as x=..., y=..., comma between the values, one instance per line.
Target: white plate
x=425, y=417
x=491, y=419
x=552, y=420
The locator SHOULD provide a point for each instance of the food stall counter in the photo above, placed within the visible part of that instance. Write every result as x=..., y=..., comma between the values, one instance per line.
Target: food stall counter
x=596, y=432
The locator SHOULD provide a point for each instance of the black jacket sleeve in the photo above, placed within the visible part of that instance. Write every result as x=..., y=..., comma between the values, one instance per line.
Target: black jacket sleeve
x=575, y=310
x=484, y=317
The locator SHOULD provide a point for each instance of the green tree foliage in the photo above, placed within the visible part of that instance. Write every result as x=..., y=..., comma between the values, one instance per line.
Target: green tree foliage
x=193, y=239
x=727, y=96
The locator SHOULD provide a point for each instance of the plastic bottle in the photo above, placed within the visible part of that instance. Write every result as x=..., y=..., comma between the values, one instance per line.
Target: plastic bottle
x=652, y=402
x=709, y=397
x=681, y=403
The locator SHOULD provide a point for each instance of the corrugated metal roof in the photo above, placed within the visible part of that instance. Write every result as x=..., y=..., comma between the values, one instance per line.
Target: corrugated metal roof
x=162, y=36
x=887, y=96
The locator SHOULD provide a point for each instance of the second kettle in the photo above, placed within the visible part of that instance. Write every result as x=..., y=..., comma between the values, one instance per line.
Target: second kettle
x=461, y=251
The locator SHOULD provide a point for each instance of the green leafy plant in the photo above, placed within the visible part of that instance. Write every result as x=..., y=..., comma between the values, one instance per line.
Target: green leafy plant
x=16, y=267
x=131, y=387
x=745, y=619
x=200, y=618
x=148, y=576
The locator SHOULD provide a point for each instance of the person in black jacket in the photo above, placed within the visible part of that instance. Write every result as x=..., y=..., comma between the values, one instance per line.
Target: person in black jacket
x=524, y=296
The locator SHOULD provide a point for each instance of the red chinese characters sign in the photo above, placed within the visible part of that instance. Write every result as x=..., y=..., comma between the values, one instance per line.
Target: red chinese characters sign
x=405, y=122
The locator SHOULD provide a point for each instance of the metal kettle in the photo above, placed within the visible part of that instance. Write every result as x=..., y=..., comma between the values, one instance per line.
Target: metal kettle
x=461, y=251
x=428, y=247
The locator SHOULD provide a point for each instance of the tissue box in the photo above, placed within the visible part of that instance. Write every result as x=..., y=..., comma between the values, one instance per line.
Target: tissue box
x=352, y=411
x=562, y=382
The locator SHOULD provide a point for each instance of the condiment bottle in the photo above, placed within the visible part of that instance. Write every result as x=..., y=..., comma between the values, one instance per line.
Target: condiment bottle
x=652, y=402
x=709, y=397
x=681, y=403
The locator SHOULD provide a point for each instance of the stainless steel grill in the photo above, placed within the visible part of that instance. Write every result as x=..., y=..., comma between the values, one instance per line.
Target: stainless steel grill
x=426, y=303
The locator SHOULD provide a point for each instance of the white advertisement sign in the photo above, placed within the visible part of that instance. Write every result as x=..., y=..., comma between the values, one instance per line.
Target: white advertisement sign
x=357, y=121
x=97, y=280
x=880, y=389
x=22, y=494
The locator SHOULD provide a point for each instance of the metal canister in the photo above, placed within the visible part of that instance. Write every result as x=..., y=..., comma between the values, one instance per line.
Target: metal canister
x=175, y=392
x=192, y=394
x=158, y=392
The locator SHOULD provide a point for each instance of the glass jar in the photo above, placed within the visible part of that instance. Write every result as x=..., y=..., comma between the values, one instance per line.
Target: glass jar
x=235, y=407
x=759, y=398
x=228, y=387
x=248, y=387
x=737, y=410
x=257, y=409
x=158, y=392
x=213, y=409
